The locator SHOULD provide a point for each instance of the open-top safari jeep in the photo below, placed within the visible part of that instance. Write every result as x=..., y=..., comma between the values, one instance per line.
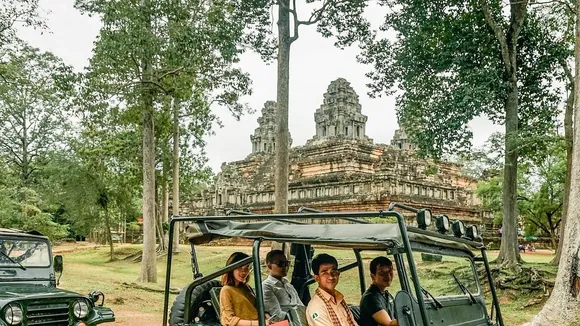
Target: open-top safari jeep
x=440, y=292
x=28, y=292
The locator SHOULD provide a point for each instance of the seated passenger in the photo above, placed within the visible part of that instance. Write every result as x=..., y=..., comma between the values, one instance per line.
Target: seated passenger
x=279, y=294
x=237, y=298
x=374, y=304
x=327, y=307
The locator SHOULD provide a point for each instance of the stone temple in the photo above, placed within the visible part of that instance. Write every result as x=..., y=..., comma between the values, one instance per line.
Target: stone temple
x=339, y=169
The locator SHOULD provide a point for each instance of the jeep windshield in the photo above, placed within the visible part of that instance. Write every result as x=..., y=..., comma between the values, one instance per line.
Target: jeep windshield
x=23, y=253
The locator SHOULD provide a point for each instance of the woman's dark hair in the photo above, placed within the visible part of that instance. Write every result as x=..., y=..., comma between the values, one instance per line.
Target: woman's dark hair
x=322, y=259
x=228, y=278
x=379, y=261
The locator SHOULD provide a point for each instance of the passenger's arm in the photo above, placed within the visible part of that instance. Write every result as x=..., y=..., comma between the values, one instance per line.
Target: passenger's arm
x=271, y=303
x=383, y=318
x=375, y=307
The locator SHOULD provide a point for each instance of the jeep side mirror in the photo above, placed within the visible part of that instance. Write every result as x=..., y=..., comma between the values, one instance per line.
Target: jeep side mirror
x=58, y=264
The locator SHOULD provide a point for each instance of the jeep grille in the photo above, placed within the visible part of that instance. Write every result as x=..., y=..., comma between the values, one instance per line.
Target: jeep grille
x=54, y=314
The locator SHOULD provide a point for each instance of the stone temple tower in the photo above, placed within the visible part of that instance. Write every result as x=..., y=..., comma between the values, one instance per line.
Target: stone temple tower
x=264, y=137
x=340, y=115
x=402, y=141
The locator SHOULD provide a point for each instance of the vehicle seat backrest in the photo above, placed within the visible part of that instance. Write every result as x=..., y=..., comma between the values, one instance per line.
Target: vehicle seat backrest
x=297, y=316
x=214, y=295
x=355, y=313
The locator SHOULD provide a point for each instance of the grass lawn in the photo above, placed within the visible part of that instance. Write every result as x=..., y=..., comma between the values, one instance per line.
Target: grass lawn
x=86, y=268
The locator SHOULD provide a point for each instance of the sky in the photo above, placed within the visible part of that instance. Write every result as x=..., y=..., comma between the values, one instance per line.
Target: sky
x=314, y=63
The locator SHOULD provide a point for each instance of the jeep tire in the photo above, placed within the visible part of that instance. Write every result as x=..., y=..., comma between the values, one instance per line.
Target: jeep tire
x=200, y=297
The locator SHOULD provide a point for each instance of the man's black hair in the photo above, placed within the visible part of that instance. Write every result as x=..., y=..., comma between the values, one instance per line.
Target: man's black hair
x=379, y=261
x=321, y=259
x=270, y=256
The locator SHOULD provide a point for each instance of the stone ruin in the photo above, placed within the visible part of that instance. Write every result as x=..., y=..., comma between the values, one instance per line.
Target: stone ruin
x=339, y=169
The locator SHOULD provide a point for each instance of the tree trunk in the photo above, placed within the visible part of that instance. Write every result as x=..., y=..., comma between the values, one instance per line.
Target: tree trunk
x=568, y=136
x=148, y=264
x=108, y=234
x=562, y=306
x=176, y=166
x=509, y=254
x=24, y=169
x=282, y=133
x=159, y=228
x=165, y=201
x=283, y=85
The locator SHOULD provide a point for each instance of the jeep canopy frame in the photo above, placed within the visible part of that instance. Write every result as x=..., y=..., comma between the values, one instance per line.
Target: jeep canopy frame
x=394, y=238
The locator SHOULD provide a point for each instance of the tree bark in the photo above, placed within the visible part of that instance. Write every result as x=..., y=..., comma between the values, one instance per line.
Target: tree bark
x=108, y=234
x=568, y=137
x=509, y=254
x=509, y=250
x=165, y=200
x=148, y=264
x=176, y=166
x=24, y=170
x=283, y=85
x=562, y=306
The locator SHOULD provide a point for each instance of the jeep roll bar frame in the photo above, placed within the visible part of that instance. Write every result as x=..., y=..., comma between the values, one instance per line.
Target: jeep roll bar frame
x=305, y=213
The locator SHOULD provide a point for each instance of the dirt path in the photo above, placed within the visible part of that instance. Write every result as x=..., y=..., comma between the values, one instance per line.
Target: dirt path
x=133, y=318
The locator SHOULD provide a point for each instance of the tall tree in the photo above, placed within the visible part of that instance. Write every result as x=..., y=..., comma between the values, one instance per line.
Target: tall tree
x=567, y=21
x=33, y=108
x=456, y=60
x=562, y=306
x=340, y=18
x=148, y=50
x=15, y=13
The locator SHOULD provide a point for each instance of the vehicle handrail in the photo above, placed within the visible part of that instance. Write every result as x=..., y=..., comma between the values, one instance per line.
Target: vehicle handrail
x=244, y=213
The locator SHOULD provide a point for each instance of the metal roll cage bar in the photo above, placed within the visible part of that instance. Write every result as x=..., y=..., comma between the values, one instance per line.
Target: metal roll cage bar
x=303, y=213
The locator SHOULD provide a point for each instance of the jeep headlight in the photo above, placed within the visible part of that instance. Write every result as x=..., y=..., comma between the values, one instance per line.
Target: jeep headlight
x=13, y=314
x=80, y=309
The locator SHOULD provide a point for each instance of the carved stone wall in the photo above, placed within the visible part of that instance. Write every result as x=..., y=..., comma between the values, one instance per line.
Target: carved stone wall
x=339, y=171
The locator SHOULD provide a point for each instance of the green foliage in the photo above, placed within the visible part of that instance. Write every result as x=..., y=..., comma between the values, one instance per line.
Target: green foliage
x=33, y=108
x=26, y=214
x=184, y=55
x=431, y=170
x=540, y=191
x=541, y=206
x=446, y=64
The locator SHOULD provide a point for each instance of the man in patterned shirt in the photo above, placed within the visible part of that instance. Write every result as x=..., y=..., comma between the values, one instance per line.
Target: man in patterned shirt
x=327, y=307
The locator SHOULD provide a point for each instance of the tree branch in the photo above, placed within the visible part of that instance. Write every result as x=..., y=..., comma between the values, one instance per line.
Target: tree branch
x=316, y=15
x=170, y=72
x=540, y=226
x=562, y=2
x=499, y=34
x=567, y=71
x=518, y=14
x=296, y=23
x=557, y=208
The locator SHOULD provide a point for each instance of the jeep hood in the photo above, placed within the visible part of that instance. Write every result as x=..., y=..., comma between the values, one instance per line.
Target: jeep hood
x=20, y=291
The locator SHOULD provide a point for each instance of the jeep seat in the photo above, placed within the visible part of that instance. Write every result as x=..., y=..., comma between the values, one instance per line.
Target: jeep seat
x=214, y=295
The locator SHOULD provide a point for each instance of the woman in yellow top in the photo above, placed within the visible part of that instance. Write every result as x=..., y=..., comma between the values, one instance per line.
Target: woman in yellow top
x=237, y=298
